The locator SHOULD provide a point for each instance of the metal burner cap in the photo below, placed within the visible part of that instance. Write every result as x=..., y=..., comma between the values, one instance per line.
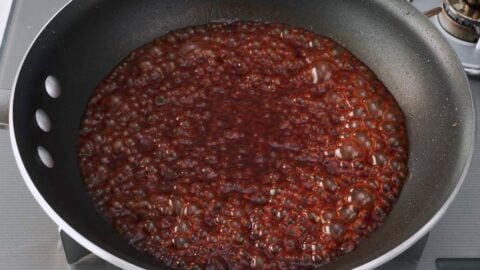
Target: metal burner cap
x=461, y=18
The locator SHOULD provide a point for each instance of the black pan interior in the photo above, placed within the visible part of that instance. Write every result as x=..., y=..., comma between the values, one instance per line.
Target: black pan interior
x=89, y=37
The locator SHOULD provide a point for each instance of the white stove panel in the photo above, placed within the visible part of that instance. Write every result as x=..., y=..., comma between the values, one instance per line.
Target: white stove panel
x=5, y=8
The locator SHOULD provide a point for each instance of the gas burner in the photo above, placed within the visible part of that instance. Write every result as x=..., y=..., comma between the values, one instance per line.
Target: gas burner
x=461, y=18
x=459, y=23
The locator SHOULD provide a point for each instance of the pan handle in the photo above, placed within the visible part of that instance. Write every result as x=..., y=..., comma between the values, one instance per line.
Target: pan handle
x=4, y=107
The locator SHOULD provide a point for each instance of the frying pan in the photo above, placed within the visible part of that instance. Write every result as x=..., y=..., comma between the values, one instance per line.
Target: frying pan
x=87, y=38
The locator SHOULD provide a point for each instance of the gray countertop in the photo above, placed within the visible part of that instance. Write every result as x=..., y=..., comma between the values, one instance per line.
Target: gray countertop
x=29, y=239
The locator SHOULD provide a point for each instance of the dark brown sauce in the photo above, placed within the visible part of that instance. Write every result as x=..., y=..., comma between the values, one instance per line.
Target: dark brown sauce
x=243, y=145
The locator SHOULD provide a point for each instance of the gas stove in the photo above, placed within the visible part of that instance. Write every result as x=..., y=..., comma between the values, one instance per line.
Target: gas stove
x=459, y=22
x=31, y=241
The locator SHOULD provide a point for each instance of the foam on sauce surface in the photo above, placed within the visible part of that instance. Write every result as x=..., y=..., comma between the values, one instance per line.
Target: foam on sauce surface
x=243, y=145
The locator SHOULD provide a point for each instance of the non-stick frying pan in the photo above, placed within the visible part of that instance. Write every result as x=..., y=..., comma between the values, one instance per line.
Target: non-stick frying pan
x=87, y=38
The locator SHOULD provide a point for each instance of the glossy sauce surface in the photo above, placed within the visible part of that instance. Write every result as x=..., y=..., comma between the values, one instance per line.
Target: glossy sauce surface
x=243, y=145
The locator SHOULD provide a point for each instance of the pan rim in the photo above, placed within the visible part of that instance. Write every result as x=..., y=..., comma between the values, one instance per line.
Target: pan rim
x=52, y=214
x=125, y=264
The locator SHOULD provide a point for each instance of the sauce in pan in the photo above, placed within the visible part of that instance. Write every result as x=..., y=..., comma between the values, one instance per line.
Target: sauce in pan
x=243, y=145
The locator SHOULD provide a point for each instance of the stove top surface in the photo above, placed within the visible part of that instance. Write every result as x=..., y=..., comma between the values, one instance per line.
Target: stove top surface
x=5, y=7
x=30, y=240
